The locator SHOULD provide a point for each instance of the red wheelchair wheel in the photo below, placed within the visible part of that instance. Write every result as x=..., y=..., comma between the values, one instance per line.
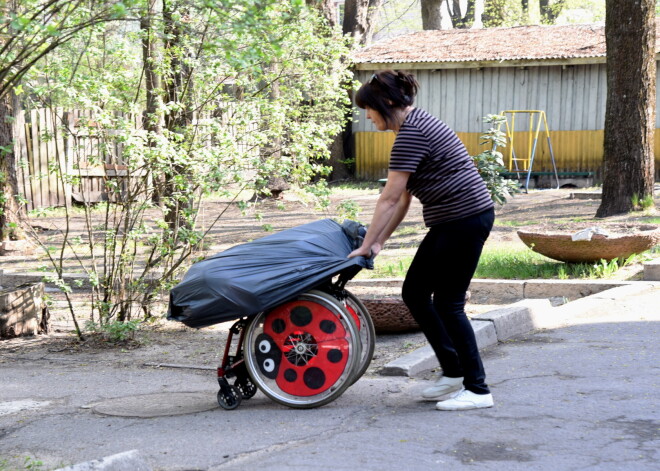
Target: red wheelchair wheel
x=303, y=353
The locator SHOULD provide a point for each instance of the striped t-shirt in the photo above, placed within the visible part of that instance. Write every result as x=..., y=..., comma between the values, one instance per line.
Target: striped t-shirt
x=444, y=177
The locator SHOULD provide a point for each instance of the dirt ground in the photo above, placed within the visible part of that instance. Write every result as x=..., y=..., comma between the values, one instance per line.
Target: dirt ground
x=170, y=344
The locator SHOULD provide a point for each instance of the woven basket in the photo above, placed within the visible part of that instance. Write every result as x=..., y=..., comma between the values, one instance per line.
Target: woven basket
x=390, y=315
x=560, y=246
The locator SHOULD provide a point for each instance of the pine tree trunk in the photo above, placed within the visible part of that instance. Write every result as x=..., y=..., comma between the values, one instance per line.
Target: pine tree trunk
x=630, y=109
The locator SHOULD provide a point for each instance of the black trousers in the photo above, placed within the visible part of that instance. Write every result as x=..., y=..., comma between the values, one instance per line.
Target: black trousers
x=434, y=291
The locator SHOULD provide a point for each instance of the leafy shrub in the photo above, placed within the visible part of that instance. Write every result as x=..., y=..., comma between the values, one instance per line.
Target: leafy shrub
x=490, y=163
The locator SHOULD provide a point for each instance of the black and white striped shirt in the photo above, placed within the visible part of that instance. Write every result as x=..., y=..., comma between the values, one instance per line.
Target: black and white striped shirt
x=444, y=177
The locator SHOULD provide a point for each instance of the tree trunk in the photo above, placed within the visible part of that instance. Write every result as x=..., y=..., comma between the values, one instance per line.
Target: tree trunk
x=273, y=182
x=177, y=89
x=628, y=159
x=462, y=13
x=152, y=119
x=11, y=211
x=360, y=20
x=448, y=14
x=431, y=14
x=525, y=11
x=550, y=10
x=327, y=9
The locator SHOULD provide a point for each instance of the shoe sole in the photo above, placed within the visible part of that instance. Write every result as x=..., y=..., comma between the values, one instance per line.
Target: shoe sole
x=438, y=397
x=464, y=408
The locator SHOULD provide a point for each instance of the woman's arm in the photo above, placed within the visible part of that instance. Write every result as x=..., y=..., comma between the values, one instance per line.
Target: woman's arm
x=399, y=214
x=391, y=208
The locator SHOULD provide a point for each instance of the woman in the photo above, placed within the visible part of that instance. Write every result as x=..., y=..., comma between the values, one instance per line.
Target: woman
x=428, y=161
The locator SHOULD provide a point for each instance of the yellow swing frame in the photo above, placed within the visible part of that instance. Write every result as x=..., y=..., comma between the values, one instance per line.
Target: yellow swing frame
x=536, y=117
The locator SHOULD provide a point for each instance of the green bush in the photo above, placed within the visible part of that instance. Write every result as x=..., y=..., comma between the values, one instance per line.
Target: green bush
x=490, y=163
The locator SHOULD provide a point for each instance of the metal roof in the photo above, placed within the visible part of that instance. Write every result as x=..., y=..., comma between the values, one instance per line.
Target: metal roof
x=494, y=45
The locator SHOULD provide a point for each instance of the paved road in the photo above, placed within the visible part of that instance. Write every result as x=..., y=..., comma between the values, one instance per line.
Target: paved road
x=582, y=397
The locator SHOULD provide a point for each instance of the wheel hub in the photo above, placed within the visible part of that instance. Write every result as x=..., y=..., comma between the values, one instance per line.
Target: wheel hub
x=300, y=348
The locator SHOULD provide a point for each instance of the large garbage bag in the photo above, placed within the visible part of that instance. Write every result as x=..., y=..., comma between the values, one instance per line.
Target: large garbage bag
x=259, y=275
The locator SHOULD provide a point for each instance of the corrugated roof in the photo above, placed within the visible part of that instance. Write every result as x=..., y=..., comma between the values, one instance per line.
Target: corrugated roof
x=490, y=44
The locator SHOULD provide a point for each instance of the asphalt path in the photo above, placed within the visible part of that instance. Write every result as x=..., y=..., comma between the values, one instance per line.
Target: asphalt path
x=581, y=397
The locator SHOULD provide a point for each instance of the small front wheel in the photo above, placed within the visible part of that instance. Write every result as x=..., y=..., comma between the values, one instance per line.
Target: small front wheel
x=246, y=387
x=229, y=397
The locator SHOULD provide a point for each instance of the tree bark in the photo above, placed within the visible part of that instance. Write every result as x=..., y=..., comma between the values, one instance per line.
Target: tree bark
x=152, y=120
x=550, y=10
x=462, y=13
x=360, y=20
x=525, y=11
x=628, y=159
x=448, y=14
x=177, y=89
x=327, y=9
x=431, y=14
x=11, y=211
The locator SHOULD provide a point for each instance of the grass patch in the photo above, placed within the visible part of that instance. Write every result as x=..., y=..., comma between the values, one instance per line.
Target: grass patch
x=388, y=267
x=524, y=264
x=514, y=223
x=353, y=187
x=408, y=230
x=573, y=220
x=513, y=264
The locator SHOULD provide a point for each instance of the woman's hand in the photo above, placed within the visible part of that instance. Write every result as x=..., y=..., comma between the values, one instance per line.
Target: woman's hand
x=367, y=252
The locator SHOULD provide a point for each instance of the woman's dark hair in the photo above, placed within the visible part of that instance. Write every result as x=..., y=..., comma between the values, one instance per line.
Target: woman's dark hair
x=386, y=91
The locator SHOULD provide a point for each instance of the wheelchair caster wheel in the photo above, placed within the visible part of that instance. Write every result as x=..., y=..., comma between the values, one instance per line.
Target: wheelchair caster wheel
x=229, y=397
x=246, y=387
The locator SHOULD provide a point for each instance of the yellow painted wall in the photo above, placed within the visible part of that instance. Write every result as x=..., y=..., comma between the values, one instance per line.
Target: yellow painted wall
x=372, y=154
x=574, y=151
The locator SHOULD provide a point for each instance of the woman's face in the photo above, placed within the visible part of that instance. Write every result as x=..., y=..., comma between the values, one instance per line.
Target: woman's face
x=377, y=119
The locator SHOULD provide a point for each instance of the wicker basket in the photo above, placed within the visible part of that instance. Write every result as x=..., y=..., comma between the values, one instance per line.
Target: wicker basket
x=560, y=246
x=390, y=315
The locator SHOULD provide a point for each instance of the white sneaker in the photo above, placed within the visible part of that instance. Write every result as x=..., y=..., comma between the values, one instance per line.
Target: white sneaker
x=466, y=400
x=442, y=387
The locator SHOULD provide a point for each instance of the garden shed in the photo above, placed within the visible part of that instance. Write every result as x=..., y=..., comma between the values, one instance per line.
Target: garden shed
x=465, y=75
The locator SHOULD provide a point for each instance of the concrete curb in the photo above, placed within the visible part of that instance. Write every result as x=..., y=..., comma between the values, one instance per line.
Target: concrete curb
x=484, y=291
x=652, y=270
x=517, y=319
x=126, y=461
x=423, y=359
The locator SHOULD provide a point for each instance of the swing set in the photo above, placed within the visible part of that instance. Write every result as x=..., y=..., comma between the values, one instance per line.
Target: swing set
x=522, y=166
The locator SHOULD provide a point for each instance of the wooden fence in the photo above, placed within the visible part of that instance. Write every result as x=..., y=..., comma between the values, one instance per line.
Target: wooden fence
x=52, y=145
x=54, y=142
